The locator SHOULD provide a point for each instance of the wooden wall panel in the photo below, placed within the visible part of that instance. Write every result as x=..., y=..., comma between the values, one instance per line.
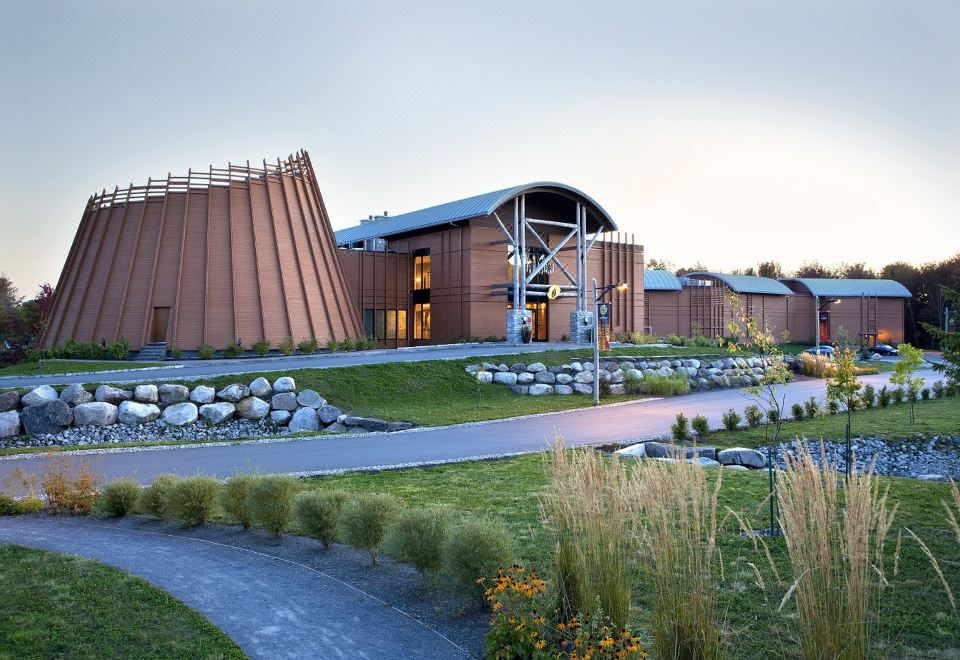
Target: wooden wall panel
x=268, y=260
x=246, y=279
x=189, y=331
x=137, y=298
x=97, y=285
x=219, y=328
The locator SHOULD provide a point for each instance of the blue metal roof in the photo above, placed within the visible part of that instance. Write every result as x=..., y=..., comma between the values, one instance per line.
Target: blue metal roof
x=749, y=283
x=660, y=280
x=462, y=209
x=840, y=288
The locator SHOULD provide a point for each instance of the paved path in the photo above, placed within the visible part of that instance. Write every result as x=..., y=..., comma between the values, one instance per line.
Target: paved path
x=276, y=600
x=316, y=455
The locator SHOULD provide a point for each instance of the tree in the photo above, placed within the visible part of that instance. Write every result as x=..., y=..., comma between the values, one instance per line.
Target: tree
x=910, y=360
x=659, y=264
x=770, y=269
x=844, y=388
x=949, y=341
x=9, y=302
x=857, y=271
x=814, y=269
x=696, y=268
x=34, y=315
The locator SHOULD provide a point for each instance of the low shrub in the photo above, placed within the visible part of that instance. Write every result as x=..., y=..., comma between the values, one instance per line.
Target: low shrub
x=632, y=384
x=731, y=420
x=362, y=343
x=939, y=390
x=676, y=340
x=66, y=493
x=318, y=513
x=364, y=519
x=119, y=497
x=474, y=549
x=348, y=345
x=287, y=346
x=261, y=347
x=833, y=406
x=192, y=500
x=796, y=411
x=176, y=353
x=816, y=366
x=754, y=416
x=898, y=395
x=701, y=426
x=869, y=396
x=153, y=498
x=233, y=350
x=642, y=338
x=9, y=506
x=773, y=416
x=811, y=408
x=270, y=501
x=308, y=346
x=416, y=536
x=30, y=505
x=884, y=397
x=76, y=350
x=333, y=346
x=925, y=394
x=681, y=428
x=657, y=385
x=233, y=498
x=205, y=352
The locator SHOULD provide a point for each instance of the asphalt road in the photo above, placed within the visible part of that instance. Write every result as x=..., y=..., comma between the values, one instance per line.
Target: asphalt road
x=322, y=454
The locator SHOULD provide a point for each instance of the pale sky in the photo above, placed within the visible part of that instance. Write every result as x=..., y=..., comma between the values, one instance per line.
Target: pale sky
x=722, y=132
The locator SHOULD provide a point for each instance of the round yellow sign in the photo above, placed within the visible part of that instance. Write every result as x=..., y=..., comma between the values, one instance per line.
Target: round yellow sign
x=553, y=292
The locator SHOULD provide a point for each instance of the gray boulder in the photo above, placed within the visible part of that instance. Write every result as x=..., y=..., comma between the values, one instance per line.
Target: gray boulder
x=280, y=417
x=112, y=395
x=234, y=393
x=484, y=377
x=616, y=376
x=505, y=378
x=545, y=377
x=398, y=426
x=38, y=395
x=180, y=414
x=337, y=427
x=217, y=413
x=95, y=413
x=582, y=388
x=472, y=368
x=74, y=395
x=369, y=423
x=633, y=374
x=617, y=388
x=489, y=366
x=540, y=389
x=9, y=423
x=146, y=393
x=203, y=394
x=562, y=389
x=311, y=399
x=46, y=418
x=170, y=394
x=525, y=378
x=284, y=384
x=741, y=456
x=9, y=401
x=576, y=366
x=589, y=366
x=520, y=389
x=564, y=379
x=132, y=412
x=537, y=367
x=284, y=401
x=252, y=408
x=584, y=377
x=305, y=419
x=518, y=367
x=261, y=388
x=328, y=414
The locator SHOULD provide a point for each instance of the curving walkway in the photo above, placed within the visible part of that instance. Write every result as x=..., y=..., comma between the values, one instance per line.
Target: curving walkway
x=287, y=599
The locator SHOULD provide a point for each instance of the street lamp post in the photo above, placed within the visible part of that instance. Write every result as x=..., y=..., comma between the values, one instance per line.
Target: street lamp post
x=596, y=332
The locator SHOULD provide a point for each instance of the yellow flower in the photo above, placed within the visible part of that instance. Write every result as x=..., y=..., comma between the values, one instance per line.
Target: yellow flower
x=606, y=642
x=497, y=606
x=540, y=645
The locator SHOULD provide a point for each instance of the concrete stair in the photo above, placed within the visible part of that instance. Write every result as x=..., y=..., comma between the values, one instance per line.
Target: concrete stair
x=153, y=352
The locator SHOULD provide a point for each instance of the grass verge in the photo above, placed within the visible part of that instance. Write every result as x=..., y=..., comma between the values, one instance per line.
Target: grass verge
x=54, y=367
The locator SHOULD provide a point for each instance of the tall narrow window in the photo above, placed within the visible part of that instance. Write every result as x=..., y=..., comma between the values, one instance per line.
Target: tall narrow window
x=368, y=322
x=401, y=324
x=391, y=324
x=380, y=324
x=421, y=270
x=421, y=321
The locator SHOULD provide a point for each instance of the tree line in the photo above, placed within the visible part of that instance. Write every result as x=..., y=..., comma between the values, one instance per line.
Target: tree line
x=22, y=320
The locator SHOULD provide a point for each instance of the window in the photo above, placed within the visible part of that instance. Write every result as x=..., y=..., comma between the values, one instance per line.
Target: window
x=385, y=323
x=421, y=271
x=401, y=324
x=421, y=321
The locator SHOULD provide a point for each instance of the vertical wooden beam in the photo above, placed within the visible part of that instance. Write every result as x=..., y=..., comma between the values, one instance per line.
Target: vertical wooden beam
x=276, y=245
x=206, y=269
x=233, y=256
x=156, y=257
x=296, y=253
x=113, y=258
x=183, y=243
x=256, y=253
x=133, y=258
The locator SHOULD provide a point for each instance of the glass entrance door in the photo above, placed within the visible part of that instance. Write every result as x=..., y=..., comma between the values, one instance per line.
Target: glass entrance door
x=539, y=318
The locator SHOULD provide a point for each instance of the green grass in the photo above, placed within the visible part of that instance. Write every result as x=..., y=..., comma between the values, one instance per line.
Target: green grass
x=920, y=619
x=53, y=367
x=59, y=606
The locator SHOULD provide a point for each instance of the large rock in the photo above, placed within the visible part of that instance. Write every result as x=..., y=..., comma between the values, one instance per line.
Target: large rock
x=280, y=417
x=203, y=394
x=398, y=426
x=9, y=423
x=518, y=367
x=369, y=423
x=562, y=389
x=170, y=394
x=540, y=389
x=520, y=389
x=284, y=401
x=741, y=456
x=112, y=395
x=616, y=376
x=582, y=388
x=305, y=419
x=9, y=401
x=217, y=413
x=484, y=377
x=584, y=377
x=180, y=414
x=284, y=384
x=328, y=414
x=234, y=393
x=253, y=408
x=524, y=378
x=47, y=418
x=132, y=412
x=633, y=374
x=74, y=395
x=564, y=379
x=261, y=388
x=472, y=368
x=545, y=377
x=505, y=378
x=537, y=367
x=311, y=399
x=617, y=388
x=38, y=395
x=96, y=413
x=146, y=393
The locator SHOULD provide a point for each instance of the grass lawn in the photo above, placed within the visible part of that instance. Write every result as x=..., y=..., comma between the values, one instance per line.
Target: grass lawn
x=53, y=367
x=918, y=617
x=59, y=606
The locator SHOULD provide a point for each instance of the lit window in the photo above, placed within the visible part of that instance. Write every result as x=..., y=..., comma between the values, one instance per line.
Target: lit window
x=421, y=272
x=401, y=324
x=421, y=321
x=391, y=324
x=380, y=324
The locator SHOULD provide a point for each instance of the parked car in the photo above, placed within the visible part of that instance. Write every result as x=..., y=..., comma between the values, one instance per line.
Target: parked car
x=884, y=349
x=820, y=350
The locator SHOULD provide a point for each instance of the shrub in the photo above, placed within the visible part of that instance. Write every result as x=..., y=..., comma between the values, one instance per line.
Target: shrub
x=261, y=347
x=898, y=395
x=205, y=352
x=868, y=396
x=333, y=345
x=681, y=428
x=119, y=497
x=9, y=506
x=925, y=394
x=643, y=338
x=701, y=426
x=118, y=350
x=153, y=498
x=796, y=411
x=176, y=353
x=192, y=499
x=833, y=406
x=287, y=346
x=348, y=345
x=362, y=343
x=270, y=501
x=364, y=519
x=318, y=513
x=884, y=397
x=939, y=390
x=416, y=536
x=676, y=340
x=30, y=505
x=233, y=350
x=754, y=416
x=658, y=385
x=308, y=346
x=811, y=408
x=66, y=493
x=474, y=549
x=731, y=420
x=233, y=498
x=773, y=416
x=816, y=366
x=632, y=384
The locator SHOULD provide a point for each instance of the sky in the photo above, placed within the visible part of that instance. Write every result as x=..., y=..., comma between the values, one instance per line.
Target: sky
x=724, y=133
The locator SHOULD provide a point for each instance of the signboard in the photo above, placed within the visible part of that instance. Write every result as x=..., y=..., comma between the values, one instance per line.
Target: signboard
x=603, y=316
x=553, y=292
x=603, y=313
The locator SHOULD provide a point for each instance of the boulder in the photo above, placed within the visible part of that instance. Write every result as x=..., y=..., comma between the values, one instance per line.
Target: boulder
x=336, y=427
x=704, y=461
x=112, y=395
x=632, y=374
x=525, y=378
x=537, y=367
x=584, y=377
x=637, y=450
x=589, y=366
x=666, y=372
x=9, y=423
x=284, y=401
x=505, y=378
x=518, y=367
x=74, y=395
x=170, y=394
x=180, y=414
x=736, y=468
x=628, y=364
x=9, y=401
x=616, y=376
x=132, y=412
x=146, y=393
x=280, y=417
x=562, y=389
x=284, y=384
x=261, y=388
x=38, y=395
x=369, y=423
x=545, y=377
x=95, y=413
x=582, y=388
x=489, y=366
x=484, y=377
x=617, y=388
x=472, y=368
x=564, y=379
x=398, y=426
x=328, y=414
x=234, y=393
x=540, y=389
x=217, y=413
x=252, y=408
x=46, y=418
x=576, y=366
x=520, y=389
x=311, y=399
x=503, y=367
x=742, y=456
x=203, y=394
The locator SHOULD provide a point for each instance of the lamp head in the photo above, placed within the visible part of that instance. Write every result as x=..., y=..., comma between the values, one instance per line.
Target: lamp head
x=622, y=287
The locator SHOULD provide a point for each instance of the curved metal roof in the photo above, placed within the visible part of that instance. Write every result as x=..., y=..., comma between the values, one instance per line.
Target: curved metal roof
x=660, y=280
x=840, y=288
x=748, y=283
x=462, y=209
